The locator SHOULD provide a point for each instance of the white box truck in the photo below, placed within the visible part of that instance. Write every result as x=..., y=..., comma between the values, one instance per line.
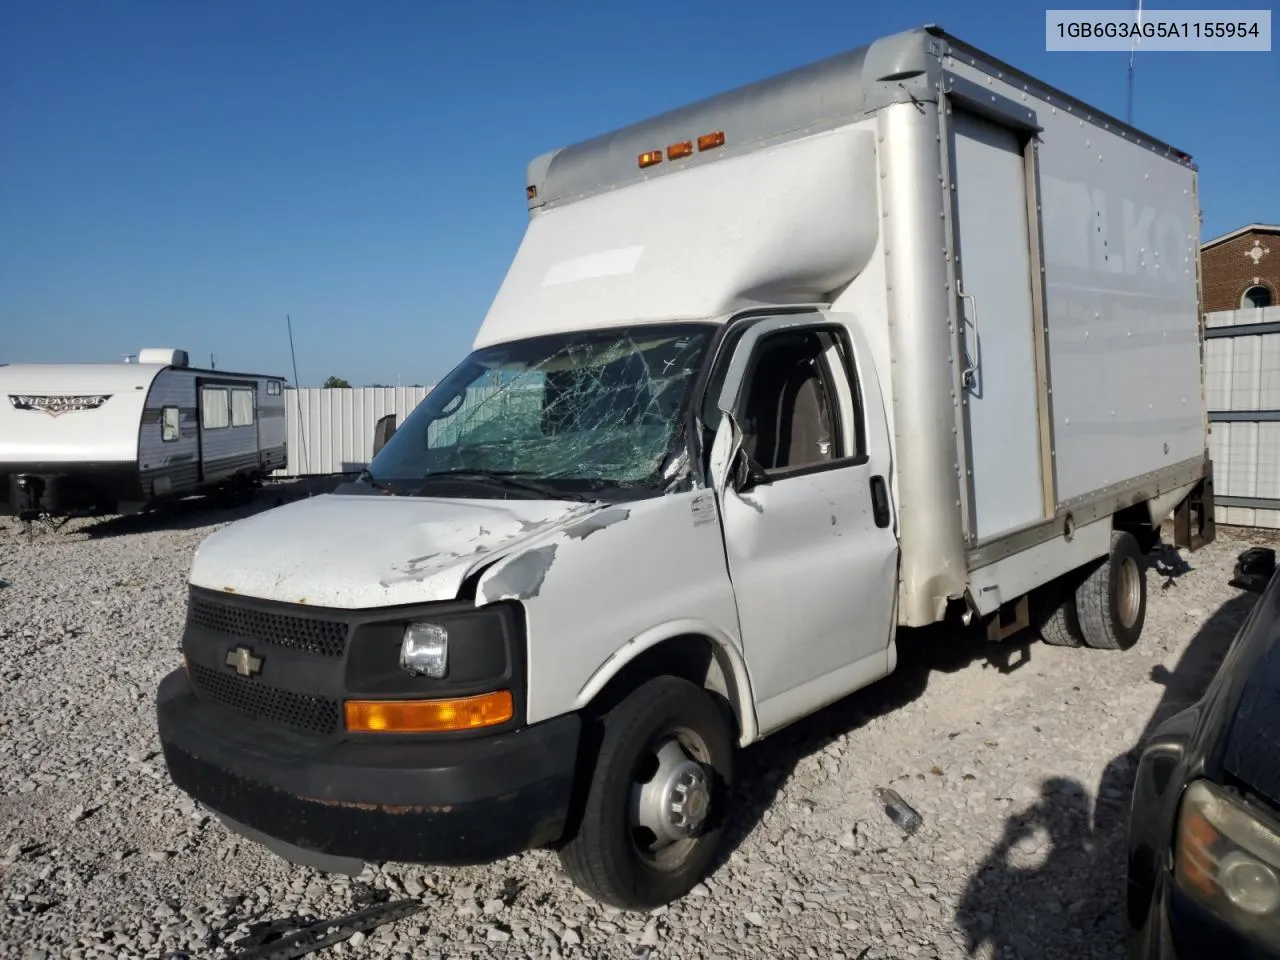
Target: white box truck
x=899, y=336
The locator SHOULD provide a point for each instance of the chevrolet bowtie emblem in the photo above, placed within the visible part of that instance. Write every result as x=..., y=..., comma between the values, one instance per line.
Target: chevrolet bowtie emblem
x=244, y=662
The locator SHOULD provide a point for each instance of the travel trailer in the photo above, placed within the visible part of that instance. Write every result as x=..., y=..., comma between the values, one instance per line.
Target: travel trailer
x=901, y=337
x=104, y=438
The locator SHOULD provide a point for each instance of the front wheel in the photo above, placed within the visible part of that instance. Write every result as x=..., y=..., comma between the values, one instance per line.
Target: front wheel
x=653, y=815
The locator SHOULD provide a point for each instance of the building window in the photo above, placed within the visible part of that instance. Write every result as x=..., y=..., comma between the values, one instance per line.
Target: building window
x=1258, y=296
x=170, y=427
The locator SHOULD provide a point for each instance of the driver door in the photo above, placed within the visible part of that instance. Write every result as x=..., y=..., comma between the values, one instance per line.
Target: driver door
x=799, y=464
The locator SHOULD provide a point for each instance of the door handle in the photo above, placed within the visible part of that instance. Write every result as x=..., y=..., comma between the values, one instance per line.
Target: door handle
x=971, y=356
x=880, y=501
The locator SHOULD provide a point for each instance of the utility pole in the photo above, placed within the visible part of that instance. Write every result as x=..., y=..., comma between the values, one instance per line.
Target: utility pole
x=1133, y=49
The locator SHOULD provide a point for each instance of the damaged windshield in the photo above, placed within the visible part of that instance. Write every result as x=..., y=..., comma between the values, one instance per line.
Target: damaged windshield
x=554, y=415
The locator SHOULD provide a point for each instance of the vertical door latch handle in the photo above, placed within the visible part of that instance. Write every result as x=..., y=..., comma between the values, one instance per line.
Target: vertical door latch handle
x=880, y=501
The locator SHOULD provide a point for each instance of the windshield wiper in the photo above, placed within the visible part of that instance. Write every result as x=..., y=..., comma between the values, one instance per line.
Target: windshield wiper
x=514, y=479
x=367, y=477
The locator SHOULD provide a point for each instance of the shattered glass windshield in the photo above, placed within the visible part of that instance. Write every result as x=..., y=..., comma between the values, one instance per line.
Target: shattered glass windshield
x=566, y=413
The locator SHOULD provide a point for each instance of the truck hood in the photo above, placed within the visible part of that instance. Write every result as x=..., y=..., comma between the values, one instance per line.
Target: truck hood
x=353, y=552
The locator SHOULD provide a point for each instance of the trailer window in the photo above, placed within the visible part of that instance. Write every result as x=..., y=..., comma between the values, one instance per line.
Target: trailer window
x=215, y=408
x=241, y=407
x=170, y=425
x=800, y=408
x=273, y=388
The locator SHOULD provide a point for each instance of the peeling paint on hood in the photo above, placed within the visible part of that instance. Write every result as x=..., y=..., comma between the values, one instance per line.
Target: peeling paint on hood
x=521, y=578
x=353, y=552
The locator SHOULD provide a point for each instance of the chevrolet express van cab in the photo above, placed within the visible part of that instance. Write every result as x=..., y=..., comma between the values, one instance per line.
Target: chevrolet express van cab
x=898, y=336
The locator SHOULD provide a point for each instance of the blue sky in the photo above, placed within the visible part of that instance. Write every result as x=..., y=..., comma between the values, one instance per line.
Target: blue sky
x=185, y=174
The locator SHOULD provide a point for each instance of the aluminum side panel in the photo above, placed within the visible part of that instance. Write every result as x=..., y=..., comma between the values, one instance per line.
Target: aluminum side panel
x=1120, y=248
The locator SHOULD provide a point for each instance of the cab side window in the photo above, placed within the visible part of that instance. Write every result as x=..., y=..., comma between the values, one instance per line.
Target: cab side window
x=799, y=383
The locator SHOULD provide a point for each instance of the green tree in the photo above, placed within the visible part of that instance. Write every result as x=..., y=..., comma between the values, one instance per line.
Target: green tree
x=336, y=382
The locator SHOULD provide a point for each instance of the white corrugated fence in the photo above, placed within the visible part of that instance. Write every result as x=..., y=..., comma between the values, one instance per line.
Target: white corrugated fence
x=331, y=428
x=1242, y=392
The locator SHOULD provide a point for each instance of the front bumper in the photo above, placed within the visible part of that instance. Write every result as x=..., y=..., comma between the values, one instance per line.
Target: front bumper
x=446, y=802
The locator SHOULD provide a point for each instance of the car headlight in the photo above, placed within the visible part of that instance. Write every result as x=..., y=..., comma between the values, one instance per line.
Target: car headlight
x=425, y=649
x=1228, y=857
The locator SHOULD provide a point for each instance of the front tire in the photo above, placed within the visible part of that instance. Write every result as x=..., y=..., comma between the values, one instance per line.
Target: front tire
x=654, y=811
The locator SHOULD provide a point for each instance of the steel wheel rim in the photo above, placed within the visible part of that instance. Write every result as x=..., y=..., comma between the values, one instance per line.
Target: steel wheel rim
x=671, y=797
x=1129, y=594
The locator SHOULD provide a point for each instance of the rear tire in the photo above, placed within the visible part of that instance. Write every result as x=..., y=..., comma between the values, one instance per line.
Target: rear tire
x=1056, y=619
x=654, y=811
x=1111, y=603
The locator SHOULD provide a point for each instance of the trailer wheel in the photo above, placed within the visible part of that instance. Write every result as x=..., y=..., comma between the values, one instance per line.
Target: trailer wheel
x=653, y=814
x=1111, y=603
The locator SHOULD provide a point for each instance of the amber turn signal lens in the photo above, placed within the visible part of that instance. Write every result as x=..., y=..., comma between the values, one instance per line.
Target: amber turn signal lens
x=677, y=150
x=1196, y=836
x=429, y=716
x=709, y=141
x=650, y=157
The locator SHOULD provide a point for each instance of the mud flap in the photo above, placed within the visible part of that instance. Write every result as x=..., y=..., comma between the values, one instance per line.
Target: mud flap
x=1193, y=519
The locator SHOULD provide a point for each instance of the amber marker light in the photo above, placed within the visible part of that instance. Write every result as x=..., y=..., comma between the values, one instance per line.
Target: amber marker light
x=429, y=716
x=678, y=150
x=649, y=158
x=1194, y=863
x=709, y=141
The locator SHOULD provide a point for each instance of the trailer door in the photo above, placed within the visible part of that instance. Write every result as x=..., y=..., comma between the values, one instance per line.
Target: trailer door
x=997, y=268
x=228, y=427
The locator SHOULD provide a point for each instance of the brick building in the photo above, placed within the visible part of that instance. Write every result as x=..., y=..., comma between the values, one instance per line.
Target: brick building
x=1241, y=269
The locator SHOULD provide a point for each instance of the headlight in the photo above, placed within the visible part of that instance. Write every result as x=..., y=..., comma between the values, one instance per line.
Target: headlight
x=425, y=650
x=1228, y=857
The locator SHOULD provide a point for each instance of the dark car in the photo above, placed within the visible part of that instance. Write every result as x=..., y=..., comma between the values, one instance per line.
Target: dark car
x=1204, y=827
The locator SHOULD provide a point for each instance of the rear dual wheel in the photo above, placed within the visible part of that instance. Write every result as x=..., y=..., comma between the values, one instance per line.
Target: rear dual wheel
x=652, y=817
x=1105, y=608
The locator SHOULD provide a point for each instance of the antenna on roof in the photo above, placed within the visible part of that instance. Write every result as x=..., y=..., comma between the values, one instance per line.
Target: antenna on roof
x=212, y=364
x=1133, y=49
x=302, y=432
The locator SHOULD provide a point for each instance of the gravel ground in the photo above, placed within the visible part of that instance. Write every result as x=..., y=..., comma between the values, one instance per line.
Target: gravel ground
x=1017, y=757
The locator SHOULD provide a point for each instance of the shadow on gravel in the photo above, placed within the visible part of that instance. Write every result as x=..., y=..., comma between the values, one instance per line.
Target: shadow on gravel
x=763, y=769
x=1165, y=562
x=200, y=512
x=1068, y=897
